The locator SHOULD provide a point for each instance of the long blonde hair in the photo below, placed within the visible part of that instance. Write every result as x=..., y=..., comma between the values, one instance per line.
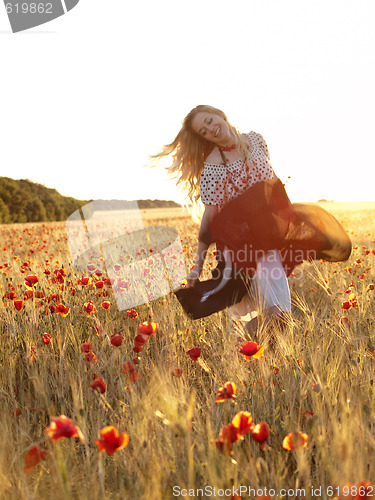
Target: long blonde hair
x=189, y=151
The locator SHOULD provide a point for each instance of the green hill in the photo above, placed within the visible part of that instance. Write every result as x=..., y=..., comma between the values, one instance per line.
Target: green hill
x=26, y=201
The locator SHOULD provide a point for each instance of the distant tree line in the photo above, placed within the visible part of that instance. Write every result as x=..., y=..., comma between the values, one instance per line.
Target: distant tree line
x=124, y=204
x=27, y=201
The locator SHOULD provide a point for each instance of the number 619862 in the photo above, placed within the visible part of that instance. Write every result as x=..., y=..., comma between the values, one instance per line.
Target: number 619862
x=29, y=8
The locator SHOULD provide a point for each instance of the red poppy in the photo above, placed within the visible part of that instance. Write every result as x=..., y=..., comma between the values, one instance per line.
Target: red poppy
x=89, y=307
x=132, y=314
x=147, y=328
x=46, y=338
x=86, y=347
x=307, y=413
x=344, y=320
x=18, y=304
x=98, y=383
x=194, y=353
x=99, y=284
x=28, y=294
x=228, y=435
x=106, y=304
x=33, y=457
x=90, y=357
x=127, y=367
x=243, y=422
x=140, y=340
x=260, y=432
x=61, y=427
x=176, y=372
x=111, y=440
x=251, y=350
x=295, y=440
x=133, y=377
x=31, y=280
x=228, y=391
x=61, y=309
x=116, y=339
x=371, y=286
x=85, y=281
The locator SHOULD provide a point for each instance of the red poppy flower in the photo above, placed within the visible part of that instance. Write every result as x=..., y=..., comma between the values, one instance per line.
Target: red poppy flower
x=243, y=422
x=86, y=347
x=31, y=280
x=89, y=307
x=18, y=304
x=127, y=367
x=295, y=440
x=260, y=432
x=132, y=314
x=140, y=340
x=111, y=440
x=133, y=377
x=194, y=353
x=61, y=427
x=147, y=328
x=106, y=304
x=371, y=286
x=33, y=457
x=90, y=357
x=344, y=320
x=28, y=294
x=176, y=372
x=61, y=309
x=116, y=339
x=307, y=413
x=252, y=350
x=46, y=338
x=228, y=391
x=99, y=284
x=98, y=383
x=85, y=281
x=229, y=433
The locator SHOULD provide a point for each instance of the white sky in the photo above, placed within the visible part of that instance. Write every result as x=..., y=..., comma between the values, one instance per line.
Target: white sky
x=85, y=98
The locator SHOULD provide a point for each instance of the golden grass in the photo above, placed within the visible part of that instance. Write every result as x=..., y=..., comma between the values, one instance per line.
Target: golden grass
x=172, y=421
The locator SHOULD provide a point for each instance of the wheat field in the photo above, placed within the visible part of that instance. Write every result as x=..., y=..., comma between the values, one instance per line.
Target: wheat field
x=316, y=377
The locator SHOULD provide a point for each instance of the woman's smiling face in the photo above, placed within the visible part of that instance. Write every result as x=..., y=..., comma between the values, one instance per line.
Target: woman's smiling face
x=212, y=127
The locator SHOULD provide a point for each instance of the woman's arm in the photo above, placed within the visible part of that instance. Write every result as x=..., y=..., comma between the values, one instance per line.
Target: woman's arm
x=203, y=243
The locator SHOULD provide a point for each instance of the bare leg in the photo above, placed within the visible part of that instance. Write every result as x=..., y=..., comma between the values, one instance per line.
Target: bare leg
x=269, y=314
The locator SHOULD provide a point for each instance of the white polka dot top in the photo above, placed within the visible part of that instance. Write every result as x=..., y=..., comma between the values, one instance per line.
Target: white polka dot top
x=216, y=182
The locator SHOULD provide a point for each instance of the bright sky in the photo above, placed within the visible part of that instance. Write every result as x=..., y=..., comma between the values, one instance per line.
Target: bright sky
x=88, y=96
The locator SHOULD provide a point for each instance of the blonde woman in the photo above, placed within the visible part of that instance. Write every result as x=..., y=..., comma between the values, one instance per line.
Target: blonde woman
x=249, y=217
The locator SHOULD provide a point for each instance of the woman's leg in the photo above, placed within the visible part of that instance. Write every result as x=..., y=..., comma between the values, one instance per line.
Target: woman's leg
x=271, y=290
